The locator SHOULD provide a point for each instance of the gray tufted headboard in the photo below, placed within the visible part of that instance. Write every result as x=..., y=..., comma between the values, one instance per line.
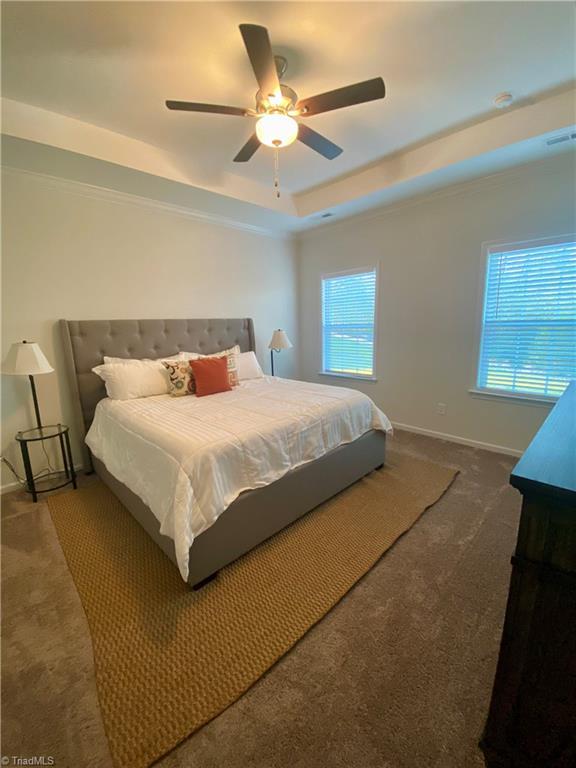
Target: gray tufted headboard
x=87, y=341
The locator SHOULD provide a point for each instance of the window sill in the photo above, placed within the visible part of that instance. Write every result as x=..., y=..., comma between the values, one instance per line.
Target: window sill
x=348, y=376
x=516, y=397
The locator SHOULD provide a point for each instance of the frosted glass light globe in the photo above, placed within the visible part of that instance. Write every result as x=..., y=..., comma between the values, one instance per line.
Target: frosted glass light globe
x=277, y=130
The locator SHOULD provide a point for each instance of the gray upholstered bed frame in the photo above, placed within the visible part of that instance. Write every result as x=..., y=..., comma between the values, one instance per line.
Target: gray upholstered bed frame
x=255, y=515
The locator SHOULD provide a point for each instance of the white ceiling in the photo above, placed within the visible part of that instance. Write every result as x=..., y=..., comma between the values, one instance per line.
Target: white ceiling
x=113, y=65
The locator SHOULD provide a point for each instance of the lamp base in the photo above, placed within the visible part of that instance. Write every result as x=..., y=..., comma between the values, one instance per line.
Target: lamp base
x=272, y=361
x=35, y=399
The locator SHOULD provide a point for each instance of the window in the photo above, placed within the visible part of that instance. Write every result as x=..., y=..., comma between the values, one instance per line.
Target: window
x=528, y=343
x=348, y=310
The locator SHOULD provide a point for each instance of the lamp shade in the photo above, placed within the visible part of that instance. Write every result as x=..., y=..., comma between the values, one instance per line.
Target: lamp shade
x=279, y=340
x=25, y=359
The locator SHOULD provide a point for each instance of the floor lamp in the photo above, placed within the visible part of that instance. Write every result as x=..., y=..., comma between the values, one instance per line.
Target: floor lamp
x=278, y=341
x=25, y=358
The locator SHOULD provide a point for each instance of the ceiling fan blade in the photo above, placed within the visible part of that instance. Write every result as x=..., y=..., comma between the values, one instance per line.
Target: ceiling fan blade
x=318, y=142
x=218, y=109
x=248, y=149
x=369, y=90
x=259, y=50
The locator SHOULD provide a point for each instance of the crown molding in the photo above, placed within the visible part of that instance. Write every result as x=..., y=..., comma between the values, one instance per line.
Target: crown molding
x=547, y=166
x=83, y=189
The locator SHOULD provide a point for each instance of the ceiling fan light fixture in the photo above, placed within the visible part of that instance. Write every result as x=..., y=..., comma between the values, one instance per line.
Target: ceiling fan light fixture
x=277, y=104
x=277, y=130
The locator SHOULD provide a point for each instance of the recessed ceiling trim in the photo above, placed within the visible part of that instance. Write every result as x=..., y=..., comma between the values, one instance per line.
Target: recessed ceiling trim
x=543, y=166
x=552, y=114
x=82, y=189
x=25, y=121
x=547, y=117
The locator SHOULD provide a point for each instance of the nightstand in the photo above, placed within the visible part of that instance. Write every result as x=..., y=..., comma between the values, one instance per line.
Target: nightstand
x=50, y=432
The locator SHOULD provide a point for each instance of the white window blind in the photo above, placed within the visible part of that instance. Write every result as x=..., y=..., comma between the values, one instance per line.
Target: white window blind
x=528, y=343
x=348, y=310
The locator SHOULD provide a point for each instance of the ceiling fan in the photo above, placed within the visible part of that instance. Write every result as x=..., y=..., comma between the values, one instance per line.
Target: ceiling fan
x=277, y=105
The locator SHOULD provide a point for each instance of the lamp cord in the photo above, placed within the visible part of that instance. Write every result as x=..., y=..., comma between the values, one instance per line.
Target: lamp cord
x=50, y=467
x=43, y=472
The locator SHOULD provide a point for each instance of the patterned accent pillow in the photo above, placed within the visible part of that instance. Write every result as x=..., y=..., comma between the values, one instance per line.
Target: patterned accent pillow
x=231, y=361
x=181, y=380
x=181, y=376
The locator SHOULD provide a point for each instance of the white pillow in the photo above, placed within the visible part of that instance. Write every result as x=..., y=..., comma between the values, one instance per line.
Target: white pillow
x=142, y=378
x=124, y=360
x=235, y=350
x=248, y=366
x=189, y=356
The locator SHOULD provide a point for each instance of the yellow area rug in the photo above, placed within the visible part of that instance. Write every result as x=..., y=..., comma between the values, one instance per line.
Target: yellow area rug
x=167, y=659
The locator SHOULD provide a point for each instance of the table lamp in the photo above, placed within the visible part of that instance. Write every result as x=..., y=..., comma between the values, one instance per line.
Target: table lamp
x=25, y=358
x=278, y=341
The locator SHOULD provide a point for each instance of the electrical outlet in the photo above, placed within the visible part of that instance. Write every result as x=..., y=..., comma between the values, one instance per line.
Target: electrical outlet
x=441, y=408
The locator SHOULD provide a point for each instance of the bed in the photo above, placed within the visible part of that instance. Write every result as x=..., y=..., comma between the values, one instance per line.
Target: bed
x=219, y=524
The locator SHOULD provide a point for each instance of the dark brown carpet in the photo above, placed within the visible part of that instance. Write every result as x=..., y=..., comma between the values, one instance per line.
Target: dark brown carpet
x=398, y=675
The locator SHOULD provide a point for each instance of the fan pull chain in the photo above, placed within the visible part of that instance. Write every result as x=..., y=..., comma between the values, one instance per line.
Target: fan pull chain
x=276, y=173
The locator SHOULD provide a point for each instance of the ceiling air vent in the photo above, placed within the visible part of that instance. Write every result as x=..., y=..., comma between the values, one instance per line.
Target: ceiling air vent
x=560, y=139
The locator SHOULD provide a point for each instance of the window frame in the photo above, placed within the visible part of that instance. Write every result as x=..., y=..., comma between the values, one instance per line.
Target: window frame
x=356, y=271
x=497, y=246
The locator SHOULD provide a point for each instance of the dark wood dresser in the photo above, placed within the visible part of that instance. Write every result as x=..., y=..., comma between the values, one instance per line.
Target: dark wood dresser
x=532, y=717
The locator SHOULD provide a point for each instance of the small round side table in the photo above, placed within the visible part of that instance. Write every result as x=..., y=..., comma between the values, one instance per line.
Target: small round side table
x=47, y=433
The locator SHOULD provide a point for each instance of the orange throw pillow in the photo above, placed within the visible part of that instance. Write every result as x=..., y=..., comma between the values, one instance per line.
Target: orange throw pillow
x=211, y=375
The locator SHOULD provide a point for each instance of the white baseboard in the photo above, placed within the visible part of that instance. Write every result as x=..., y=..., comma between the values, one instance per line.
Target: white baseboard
x=7, y=487
x=458, y=439
x=15, y=485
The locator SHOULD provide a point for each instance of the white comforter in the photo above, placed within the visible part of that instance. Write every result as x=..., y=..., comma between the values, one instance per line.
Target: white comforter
x=188, y=458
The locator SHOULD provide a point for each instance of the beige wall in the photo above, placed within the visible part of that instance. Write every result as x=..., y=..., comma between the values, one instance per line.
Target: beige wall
x=430, y=263
x=68, y=253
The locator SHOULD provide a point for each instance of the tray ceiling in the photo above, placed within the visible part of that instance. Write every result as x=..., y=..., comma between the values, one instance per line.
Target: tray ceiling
x=112, y=65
